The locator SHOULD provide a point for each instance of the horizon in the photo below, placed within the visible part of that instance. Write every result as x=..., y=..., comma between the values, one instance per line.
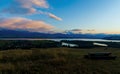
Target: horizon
x=61, y=16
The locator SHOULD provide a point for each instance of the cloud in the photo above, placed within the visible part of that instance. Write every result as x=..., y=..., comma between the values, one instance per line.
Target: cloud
x=91, y=30
x=76, y=31
x=33, y=3
x=28, y=7
x=25, y=6
x=20, y=10
x=54, y=17
x=25, y=24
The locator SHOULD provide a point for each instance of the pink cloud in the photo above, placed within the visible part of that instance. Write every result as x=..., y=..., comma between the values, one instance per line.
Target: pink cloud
x=25, y=24
x=26, y=6
x=54, y=17
x=33, y=3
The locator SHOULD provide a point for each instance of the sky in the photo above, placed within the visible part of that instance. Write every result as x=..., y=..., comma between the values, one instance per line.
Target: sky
x=61, y=16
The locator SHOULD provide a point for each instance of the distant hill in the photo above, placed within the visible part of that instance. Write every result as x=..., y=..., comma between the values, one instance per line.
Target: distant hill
x=114, y=37
x=4, y=33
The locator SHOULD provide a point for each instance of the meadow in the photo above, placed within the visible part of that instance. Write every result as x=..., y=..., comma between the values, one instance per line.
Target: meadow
x=60, y=60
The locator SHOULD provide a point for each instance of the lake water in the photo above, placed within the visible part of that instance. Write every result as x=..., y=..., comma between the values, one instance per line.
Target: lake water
x=60, y=39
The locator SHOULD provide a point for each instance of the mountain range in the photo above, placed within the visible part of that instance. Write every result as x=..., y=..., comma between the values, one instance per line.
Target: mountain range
x=5, y=33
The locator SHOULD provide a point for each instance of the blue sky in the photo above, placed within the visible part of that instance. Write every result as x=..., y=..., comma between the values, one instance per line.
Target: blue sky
x=78, y=16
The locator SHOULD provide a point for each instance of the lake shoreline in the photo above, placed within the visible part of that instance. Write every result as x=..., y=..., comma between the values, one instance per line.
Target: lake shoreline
x=60, y=39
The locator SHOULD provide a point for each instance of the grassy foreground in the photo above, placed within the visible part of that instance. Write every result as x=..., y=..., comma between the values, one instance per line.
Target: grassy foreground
x=57, y=61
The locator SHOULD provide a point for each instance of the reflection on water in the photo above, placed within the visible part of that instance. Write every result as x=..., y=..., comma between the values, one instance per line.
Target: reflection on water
x=69, y=44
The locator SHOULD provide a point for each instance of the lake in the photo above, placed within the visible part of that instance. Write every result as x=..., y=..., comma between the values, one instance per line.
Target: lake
x=60, y=39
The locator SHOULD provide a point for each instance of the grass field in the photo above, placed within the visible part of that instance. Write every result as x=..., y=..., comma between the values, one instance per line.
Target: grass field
x=57, y=61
